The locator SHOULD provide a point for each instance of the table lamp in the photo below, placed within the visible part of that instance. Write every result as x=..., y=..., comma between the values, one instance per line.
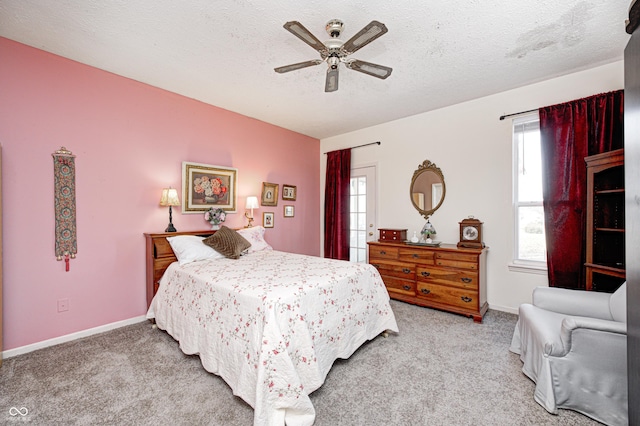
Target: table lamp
x=169, y=198
x=252, y=203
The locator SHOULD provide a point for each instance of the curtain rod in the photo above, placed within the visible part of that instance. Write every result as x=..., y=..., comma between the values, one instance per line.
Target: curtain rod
x=502, y=117
x=359, y=146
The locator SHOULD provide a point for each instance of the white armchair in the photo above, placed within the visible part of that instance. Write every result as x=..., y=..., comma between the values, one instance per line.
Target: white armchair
x=574, y=347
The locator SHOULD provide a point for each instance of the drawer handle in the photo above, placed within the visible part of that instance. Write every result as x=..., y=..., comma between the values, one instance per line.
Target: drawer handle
x=406, y=270
x=406, y=287
x=466, y=299
x=425, y=291
x=416, y=256
x=383, y=252
x=466, y=280
x=425, y=273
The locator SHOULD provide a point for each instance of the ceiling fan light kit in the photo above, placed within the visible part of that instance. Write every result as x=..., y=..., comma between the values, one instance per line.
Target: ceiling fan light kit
x=334, y=51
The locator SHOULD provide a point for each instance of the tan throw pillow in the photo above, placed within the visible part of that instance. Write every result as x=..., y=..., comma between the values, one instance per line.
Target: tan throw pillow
x=227, y=242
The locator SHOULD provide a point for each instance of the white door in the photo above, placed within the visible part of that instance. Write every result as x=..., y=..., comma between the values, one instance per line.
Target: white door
x=362, y=223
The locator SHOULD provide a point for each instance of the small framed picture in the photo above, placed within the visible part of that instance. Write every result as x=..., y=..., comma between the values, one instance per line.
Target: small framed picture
x=267, y=219
x=289, y=192
x=288, y=211
x=269, y=194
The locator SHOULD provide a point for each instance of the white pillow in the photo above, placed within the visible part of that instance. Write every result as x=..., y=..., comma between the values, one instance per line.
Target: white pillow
x=190, y=248
x=255, y=235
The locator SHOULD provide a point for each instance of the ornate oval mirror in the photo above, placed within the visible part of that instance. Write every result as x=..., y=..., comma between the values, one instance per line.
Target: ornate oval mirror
x=427, y=188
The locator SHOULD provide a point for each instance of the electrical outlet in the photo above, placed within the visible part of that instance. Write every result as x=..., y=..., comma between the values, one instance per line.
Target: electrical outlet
x=63, y=305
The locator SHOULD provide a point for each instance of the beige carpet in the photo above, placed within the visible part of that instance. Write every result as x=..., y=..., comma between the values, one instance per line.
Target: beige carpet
x=442, y=369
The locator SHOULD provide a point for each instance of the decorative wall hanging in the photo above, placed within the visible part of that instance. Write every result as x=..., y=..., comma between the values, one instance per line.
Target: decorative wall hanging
x=205, y=186
x=64, y=194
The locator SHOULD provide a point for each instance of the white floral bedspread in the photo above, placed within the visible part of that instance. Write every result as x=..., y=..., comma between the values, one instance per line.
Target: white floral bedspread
x=271, y=323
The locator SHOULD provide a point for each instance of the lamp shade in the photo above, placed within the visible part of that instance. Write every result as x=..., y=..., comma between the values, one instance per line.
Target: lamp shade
x=252, y=202
x=428, y=229
x=169, y=197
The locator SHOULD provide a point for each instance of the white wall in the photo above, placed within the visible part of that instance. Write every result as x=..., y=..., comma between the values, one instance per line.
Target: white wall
x=472, y=147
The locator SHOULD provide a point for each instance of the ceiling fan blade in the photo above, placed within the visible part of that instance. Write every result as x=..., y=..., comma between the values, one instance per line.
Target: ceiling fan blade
x=365, y=36
x=375, y=70
x=298, y=66
x=298, y=30
x=331, y=84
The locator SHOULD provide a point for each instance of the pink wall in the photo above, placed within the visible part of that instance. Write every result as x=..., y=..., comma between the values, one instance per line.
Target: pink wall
x=130, y=140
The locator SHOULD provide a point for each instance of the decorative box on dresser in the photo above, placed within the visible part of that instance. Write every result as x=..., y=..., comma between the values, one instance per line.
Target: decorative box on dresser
x=445, y=277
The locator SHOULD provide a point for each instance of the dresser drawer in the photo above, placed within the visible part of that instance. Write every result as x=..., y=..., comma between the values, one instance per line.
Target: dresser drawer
x=395, y=269
x=382, y=252
x=400, y=286
x=457, y=264
x=421, y=256
x=457, y=278
x=461, y=298
x=457, y=260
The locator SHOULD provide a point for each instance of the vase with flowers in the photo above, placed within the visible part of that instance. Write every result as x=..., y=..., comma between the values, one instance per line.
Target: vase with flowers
x=215, y=216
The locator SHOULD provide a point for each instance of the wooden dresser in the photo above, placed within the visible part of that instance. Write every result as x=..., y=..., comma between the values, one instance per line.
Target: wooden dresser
x=447, y=277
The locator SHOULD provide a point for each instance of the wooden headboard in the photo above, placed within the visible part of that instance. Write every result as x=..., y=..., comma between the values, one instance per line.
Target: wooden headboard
x=159, y=255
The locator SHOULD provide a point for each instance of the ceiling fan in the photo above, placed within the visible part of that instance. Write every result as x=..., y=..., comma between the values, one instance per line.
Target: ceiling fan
x=334, y=51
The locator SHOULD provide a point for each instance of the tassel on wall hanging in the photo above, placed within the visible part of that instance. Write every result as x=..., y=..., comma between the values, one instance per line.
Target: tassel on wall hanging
x=64, y=171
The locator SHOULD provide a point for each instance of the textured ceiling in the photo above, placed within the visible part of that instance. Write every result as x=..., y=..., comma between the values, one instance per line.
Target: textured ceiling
x=223, y=52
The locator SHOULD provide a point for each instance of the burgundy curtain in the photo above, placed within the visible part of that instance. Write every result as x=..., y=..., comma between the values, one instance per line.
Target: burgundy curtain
x=570, y=132
x=336, y=205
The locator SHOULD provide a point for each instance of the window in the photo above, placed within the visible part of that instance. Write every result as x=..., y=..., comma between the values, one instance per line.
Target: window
x=530, y=246
x=358, y=220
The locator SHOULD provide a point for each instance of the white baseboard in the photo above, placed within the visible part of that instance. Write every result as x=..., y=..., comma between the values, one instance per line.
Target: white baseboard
x=73, y=336
x=504, y=309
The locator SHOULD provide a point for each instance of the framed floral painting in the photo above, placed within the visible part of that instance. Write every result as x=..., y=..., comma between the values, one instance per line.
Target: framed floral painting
x=205, y=186
x=269, y=194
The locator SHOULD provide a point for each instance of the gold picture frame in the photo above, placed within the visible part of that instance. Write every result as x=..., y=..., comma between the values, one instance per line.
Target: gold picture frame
x=289, y=192
x=205, y=186
x=269, y=194
x=267, y=219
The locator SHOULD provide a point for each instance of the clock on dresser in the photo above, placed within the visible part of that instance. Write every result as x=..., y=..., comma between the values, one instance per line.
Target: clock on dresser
x=471, y=233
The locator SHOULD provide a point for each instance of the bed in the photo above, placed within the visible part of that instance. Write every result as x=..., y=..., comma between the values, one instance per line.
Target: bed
x=269, y=323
